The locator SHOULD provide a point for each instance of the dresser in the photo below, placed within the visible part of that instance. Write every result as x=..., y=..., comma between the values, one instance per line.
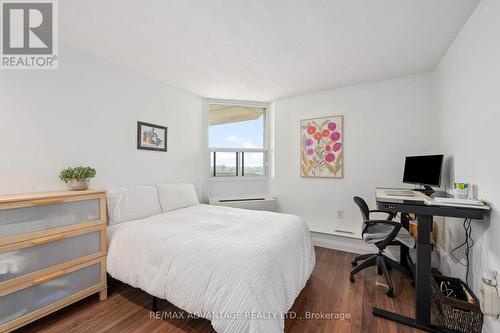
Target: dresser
x=52, y=253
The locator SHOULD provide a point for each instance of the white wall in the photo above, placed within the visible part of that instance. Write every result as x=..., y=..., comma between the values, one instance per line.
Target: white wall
x=220, y=187
x=468, y=82
x=86, y=113
x=383, y=122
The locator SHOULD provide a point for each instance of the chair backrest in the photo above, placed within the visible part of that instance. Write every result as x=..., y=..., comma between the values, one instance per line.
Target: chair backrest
x=363, y=207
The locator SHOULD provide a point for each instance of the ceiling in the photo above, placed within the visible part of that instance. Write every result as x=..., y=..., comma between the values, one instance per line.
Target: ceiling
x=265, y=49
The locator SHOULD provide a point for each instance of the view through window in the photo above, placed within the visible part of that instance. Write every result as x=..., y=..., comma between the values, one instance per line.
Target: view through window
x=236, y=140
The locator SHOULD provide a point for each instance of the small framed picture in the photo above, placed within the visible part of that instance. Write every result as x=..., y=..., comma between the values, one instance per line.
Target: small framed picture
x=151, y=137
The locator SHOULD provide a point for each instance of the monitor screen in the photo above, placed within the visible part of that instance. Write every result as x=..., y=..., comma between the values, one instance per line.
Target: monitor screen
x=425, y=170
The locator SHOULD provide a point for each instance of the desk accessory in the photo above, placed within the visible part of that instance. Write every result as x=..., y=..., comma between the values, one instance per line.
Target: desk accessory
x=460, y=201
x=456, y=202
x=455, y=312
x=401, y=193
x=462, y=190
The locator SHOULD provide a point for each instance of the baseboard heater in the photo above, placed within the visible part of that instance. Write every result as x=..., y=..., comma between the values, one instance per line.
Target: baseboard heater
x=236, y=200
x=248, y=202
x=340, y=231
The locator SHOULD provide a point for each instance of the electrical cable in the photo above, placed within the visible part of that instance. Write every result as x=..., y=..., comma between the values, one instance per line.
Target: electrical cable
x=468, y=243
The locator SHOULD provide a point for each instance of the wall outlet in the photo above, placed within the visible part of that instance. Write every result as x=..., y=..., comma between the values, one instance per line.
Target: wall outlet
x=340, y=214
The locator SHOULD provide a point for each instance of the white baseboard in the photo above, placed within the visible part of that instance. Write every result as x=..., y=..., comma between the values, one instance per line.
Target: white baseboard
x=346, y=244
x=349, y=244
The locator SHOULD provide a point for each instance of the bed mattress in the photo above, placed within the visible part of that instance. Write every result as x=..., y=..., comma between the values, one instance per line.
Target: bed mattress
x=240, y=269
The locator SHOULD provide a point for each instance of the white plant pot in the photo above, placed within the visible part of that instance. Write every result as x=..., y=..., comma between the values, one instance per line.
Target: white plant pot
x=78, y=184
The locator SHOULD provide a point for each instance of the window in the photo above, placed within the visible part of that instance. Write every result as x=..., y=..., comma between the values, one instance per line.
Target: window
x=225, y=164
x=236, y=138
x=253, y=164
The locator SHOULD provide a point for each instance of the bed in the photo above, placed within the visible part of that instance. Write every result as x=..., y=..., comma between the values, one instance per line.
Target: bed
x=240, y=269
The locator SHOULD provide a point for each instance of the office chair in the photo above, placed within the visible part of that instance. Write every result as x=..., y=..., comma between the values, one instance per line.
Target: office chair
x=381, y=233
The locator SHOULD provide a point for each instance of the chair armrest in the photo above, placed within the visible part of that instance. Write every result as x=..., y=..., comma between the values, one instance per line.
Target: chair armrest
x=396, y=227
x=390, y=215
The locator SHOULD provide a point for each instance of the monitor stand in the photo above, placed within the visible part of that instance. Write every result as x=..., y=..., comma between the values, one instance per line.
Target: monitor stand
x=427, y=190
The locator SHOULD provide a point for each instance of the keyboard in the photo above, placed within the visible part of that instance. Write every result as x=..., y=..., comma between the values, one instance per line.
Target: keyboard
x=400, y=193
x=458, y=201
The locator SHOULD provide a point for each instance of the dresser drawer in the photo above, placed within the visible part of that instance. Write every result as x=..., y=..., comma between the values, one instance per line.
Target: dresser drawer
x=49, y=293
x=39, y=216
x=23, y=258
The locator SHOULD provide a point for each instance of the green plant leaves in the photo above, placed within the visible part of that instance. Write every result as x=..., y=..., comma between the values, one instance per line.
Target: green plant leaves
x=78, y=173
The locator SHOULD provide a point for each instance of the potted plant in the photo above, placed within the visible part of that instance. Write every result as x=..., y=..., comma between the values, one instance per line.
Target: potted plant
x=78, y=178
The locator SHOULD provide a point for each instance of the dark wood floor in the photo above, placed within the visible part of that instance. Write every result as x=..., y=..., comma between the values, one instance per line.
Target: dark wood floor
x=328, y=290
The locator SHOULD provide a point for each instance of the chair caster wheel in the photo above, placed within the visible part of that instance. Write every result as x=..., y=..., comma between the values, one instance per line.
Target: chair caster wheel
x=354, y=263
x=351, y=278
x=390, y=293
x=379, y=271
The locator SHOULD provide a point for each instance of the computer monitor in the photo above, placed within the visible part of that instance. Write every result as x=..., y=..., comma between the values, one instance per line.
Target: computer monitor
x=423, y=170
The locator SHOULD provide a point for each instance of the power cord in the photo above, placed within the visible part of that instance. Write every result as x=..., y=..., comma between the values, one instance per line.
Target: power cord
x=468, y=243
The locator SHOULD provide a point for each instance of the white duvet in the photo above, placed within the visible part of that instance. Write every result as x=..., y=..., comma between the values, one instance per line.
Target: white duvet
x=241, y=269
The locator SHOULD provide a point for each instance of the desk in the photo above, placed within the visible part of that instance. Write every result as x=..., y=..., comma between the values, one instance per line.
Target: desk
x=424, y=213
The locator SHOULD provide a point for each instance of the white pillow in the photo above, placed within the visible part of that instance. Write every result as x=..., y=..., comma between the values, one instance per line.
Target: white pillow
x=175, y=196
x=132, y=203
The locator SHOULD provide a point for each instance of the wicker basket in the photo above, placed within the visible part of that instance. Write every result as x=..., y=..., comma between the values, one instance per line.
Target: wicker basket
x=453, y=313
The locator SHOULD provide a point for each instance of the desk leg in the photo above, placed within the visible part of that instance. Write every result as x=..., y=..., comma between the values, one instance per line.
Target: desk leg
x=403, y=250
x=423, y=284
x=423, y=271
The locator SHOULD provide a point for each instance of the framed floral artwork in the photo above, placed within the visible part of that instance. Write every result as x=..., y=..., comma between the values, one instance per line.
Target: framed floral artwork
x=151, y=137
x=322, y=147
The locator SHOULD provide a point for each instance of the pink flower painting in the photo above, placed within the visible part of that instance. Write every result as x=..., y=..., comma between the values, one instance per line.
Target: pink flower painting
x=322, y=147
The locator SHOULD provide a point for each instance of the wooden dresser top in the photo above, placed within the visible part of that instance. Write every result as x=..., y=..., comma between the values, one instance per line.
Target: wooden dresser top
x=45, y=195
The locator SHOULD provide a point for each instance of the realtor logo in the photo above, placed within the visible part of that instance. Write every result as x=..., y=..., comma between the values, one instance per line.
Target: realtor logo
x=29, y=36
